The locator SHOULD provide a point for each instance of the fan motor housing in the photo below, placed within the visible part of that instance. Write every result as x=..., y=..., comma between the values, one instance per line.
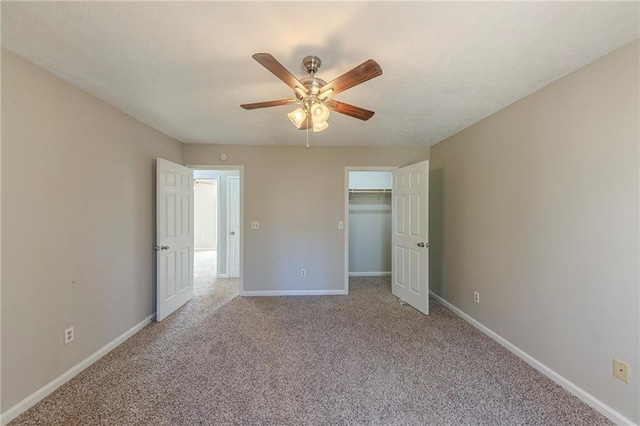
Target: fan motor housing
x=311, y=64
x=313, y=84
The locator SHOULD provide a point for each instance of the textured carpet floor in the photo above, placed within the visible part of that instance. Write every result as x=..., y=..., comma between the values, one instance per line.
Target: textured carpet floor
x=204, y=271
x=357, y=359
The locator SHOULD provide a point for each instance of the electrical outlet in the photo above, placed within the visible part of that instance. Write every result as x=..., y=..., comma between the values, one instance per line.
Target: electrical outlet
x=255, y=225
x=621, y=370
x=476, y=297
x=68, y=335
x=303, y=272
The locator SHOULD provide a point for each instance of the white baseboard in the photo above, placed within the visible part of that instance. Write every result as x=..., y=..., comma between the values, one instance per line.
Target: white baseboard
x=586, y=397
x=222, y=276
x=370, y=274
x=295, y=293
x=47, y=389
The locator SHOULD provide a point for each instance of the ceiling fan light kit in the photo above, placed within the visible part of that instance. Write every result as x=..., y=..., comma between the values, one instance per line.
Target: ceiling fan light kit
x=312, y=114
x=298, y=116
x=319, y=112
x=318, y=127
x=313, y=95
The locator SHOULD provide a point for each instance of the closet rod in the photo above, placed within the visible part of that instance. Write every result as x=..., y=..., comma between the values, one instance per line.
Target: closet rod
x=369, y=191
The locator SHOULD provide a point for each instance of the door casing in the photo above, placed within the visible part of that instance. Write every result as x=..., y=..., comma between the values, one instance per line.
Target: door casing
x=232, y=216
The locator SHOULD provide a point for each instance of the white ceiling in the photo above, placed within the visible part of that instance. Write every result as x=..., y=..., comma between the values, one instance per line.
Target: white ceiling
x=185, y=67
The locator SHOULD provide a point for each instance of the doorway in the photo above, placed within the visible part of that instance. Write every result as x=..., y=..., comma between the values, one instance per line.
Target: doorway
x=176, y=238
x=205, y=229
x=389, y=227
x=217, y=224
x=368, y=222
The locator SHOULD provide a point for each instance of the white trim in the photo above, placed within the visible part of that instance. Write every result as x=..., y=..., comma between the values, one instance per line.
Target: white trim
x=222, y=276
x=47, y=389
x=345, y=232
x=226, y=170
x=294, y=293
x=228, y=220
x=586, y=397
x=370, y=274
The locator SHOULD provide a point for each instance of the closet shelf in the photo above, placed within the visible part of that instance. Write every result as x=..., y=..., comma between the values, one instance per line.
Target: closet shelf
x=379, y=192
x=369, y=191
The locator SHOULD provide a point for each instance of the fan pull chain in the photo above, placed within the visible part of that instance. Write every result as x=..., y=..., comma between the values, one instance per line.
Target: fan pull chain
x=307, y=132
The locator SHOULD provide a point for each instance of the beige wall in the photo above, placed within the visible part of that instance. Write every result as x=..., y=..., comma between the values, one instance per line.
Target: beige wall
x=297, y=195
x=536, y=207
x=77, y=224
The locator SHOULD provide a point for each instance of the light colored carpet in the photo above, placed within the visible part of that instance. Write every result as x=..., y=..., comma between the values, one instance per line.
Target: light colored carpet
x=356, y=359
x=204, y=270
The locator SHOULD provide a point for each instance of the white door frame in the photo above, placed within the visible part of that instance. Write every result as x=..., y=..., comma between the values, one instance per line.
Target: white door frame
x=240, y=170
x=228, y=215
x=346, y=211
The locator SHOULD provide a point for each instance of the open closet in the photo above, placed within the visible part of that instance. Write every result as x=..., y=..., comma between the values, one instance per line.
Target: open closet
x=370, y=223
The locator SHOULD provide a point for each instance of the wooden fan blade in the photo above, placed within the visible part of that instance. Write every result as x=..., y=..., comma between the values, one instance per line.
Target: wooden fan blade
x=350, y=110
x=277, y=69
x=268, y=104
x=363, y=72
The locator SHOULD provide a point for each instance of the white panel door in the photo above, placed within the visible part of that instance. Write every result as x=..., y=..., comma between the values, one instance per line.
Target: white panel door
x=410, y=235
x=233, y=226
x=174, y=237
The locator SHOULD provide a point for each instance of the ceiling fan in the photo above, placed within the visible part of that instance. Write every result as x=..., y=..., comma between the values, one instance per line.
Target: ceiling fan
x=314, y=95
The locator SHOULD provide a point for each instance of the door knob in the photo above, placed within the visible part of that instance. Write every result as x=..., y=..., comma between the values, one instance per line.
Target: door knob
x=164, y=247
x=232, y=233
x=423, y=244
